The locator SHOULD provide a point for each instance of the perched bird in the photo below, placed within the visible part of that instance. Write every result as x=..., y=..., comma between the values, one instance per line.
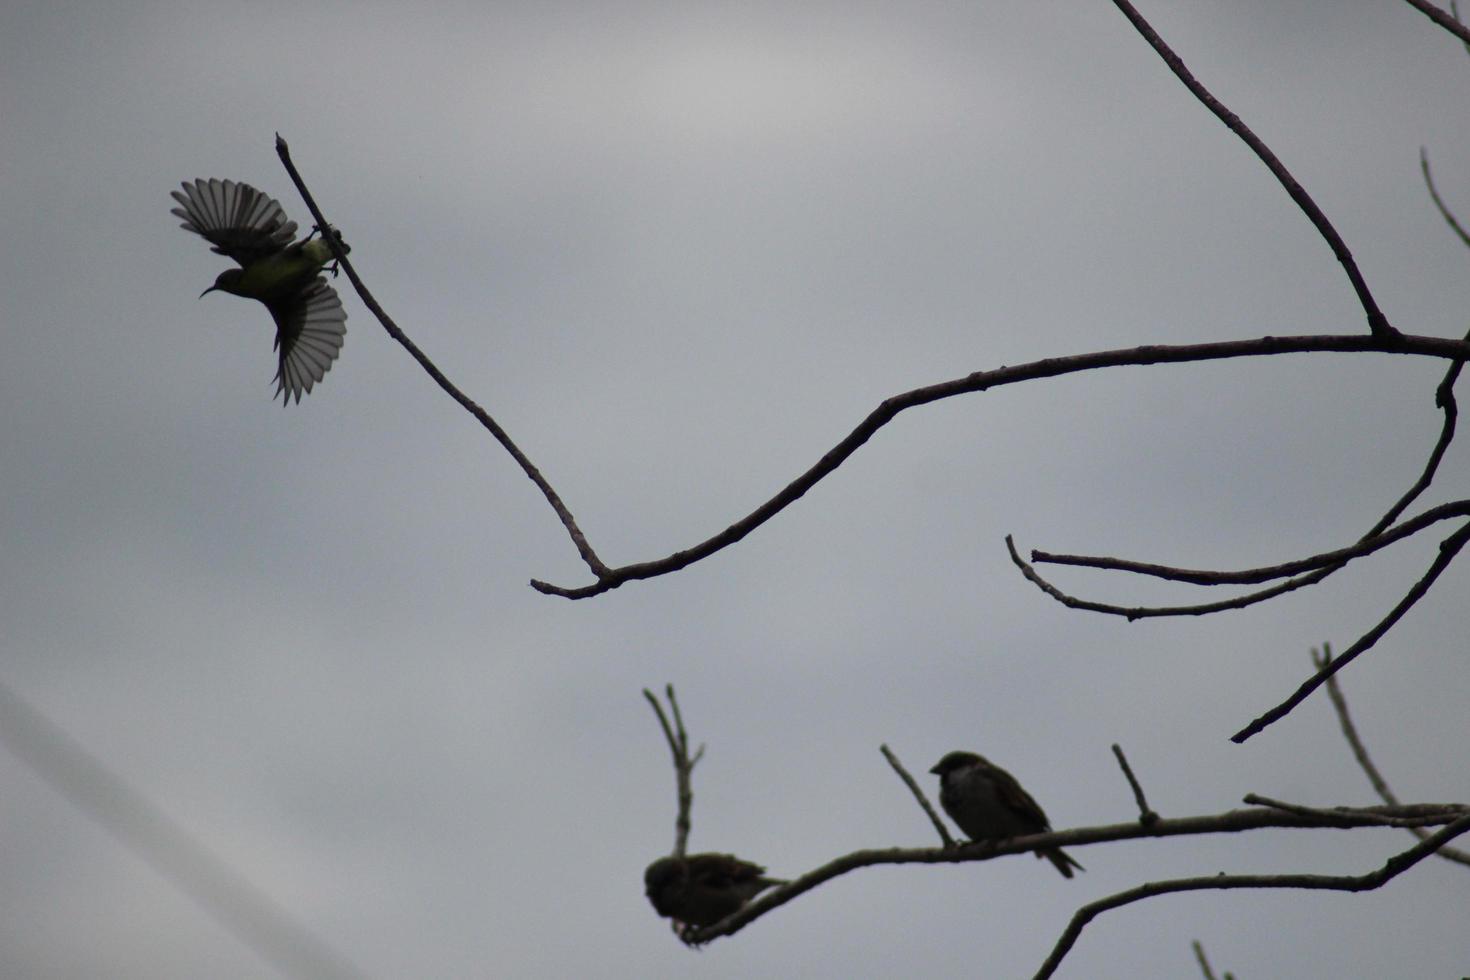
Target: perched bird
x=249, y=226
x=988, y=804
x=701, y=889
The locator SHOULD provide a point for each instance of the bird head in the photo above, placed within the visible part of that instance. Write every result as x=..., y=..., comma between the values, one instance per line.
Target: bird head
x=661, y=876
x=227, y=281
x=956, y=760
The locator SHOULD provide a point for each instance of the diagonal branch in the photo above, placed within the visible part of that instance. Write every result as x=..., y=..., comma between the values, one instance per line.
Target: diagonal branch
x=1391, y=869
x=1365, y=762
x=1377, y=322
x=1451, y=24
x=1448, y=549
x=1204, y=963
x=501, y=436
x=1146, y=816
x=1444, y=211
x=924, y=804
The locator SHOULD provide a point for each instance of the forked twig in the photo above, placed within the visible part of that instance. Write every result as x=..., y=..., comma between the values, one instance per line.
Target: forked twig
x=684, y=763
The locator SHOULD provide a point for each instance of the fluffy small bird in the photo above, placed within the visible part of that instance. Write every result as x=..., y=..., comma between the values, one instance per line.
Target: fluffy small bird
x=249, y=226
x=987, y=803
x=701, y=889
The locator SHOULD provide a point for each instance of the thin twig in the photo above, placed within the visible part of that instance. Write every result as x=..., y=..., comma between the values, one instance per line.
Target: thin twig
x=1146, y=816
x=684, y=763
x=1377, y=322
x=1444, y=211
x=1393, y=867
x=501, y=436
x=1448, y=549
x=1360, y=753
x=918, y=795
x=1204, y=963
x=1232, y=821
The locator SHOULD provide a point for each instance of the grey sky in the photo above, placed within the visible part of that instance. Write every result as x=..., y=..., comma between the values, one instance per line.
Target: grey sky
x=679, y=250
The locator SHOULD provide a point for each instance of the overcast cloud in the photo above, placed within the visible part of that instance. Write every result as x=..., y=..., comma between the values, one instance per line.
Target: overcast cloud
x=679, y=250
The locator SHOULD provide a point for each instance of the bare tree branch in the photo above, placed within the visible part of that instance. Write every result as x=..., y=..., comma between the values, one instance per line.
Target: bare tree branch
x=1376, y=537
x=1149, y=612
x=1204, y=963
x=984, y=381
x=1251, y=576
x=918, y=795
x=1360, y=753
x=608, y=578
x=1444, y=210
x=1393, y=867
x=501, y=436
x=1146, y=816
x=1448, y=549
x=1232, y=821
x=1451, y=24
x=1377, y=322
x=1426, y=815
x=684, y=763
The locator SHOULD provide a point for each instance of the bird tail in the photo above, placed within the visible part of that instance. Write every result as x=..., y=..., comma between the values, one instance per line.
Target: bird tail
x=1063, y=861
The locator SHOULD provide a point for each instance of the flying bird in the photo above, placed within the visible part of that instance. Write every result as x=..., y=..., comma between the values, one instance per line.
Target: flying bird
x=701, y=889
x=249, y=226
x=987, y=803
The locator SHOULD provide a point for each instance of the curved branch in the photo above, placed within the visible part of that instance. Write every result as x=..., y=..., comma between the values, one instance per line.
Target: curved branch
x=1377, y=322
x=1253, y=576
x=980, y=381
x=1391, y=869
x=1148, y=612
x=1444, y=398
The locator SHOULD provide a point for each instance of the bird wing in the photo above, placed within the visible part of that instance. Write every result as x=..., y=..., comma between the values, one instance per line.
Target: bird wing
x=236, y=219
x=1017, y=799
x=310, y=327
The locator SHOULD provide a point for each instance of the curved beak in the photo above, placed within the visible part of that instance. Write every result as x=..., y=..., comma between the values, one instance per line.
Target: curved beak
x=208, y=291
